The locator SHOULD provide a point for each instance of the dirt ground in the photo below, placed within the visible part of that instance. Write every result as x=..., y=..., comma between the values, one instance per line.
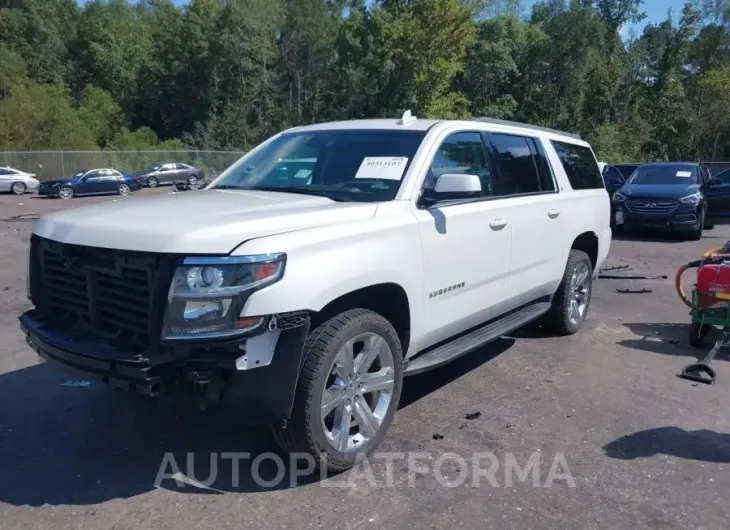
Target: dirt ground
x=641, y=447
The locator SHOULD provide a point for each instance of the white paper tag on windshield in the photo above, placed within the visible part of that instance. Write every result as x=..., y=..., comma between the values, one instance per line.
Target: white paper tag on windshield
x=303, y=174
x=685, y=174
x=382, y=167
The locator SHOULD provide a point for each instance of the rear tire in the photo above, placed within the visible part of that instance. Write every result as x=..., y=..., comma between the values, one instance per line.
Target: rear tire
x=573, y=297
x=314, y=427
x=124, y=190
x=193, y=180
x=18, y=188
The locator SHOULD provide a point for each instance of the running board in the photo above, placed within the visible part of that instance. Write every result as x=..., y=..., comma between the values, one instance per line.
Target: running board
x=475, y=339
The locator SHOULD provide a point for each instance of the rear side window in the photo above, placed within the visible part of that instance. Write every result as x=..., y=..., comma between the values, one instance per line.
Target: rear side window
x=580, y=165
x=516, y=165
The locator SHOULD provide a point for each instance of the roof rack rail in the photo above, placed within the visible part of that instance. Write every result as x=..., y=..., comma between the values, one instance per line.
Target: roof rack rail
x=497, y=121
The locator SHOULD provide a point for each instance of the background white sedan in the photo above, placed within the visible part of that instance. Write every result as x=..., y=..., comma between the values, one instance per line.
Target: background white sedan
x=17, y=181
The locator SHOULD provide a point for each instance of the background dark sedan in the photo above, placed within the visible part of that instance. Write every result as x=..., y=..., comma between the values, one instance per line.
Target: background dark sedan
x=171, y=173
x=91, y=182
x=665, y=196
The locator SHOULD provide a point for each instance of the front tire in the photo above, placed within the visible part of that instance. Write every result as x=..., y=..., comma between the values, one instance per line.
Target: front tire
x=696, y=235
x=18, y=188
x=573, y=297
x=152, y=182
x=65, y=193
x=348, y=390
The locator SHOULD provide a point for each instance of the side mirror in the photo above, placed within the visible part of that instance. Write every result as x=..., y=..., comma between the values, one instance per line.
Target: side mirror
x=458, y=184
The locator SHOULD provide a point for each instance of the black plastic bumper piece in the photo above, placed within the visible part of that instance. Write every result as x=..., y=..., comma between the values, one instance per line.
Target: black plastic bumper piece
x=138, y=376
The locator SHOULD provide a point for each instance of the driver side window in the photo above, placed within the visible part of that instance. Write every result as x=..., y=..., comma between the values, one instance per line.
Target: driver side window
x=461, y=153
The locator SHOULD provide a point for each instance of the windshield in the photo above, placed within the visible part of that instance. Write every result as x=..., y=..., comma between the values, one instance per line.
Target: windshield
x=343, y=165
x=681, y=174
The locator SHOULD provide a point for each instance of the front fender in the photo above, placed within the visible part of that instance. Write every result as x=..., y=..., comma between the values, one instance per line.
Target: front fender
x=325, y=263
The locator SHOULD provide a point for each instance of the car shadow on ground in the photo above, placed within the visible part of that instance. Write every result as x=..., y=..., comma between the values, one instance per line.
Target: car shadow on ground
x=84, y=445
x=668, y=339
x=702, y=445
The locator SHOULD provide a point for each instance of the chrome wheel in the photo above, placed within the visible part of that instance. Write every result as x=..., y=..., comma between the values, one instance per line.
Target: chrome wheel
x=580, y=286
x=123, y=189
x=152, y=182
x=65, y=193
x=192, y=180
x=18, y=188
x=358, y=392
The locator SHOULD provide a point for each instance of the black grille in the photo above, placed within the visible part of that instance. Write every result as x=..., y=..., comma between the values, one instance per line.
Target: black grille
x=649, y=206
x=117, y=293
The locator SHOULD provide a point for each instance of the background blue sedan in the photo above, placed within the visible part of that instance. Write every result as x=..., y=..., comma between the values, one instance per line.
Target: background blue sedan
x=92, y=182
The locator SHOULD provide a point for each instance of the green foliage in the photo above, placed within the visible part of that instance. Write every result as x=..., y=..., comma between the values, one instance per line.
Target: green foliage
x=212, y=74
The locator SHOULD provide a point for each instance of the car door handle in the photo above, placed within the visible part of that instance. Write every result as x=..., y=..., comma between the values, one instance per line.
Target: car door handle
x=498, y=224
x=552, y=214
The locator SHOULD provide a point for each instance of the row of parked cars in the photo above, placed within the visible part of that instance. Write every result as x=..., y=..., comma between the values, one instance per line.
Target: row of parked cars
x=101, y=181
x=681, y=197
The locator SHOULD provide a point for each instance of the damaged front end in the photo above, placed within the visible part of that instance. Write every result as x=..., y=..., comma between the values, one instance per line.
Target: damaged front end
x=150, y=323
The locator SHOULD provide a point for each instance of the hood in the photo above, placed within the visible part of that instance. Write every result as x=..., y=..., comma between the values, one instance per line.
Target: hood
x=201, y=222
x=658, y=191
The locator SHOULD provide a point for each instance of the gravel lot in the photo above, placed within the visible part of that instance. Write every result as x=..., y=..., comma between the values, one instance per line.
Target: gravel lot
x=644, y=448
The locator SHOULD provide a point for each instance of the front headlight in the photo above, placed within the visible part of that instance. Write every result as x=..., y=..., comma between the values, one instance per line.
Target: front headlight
x=619, y=197
x=207, y=295
x=695, y=198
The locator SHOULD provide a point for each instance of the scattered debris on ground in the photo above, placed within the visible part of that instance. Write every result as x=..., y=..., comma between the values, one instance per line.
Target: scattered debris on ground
x=472, y=415
x=633, y=291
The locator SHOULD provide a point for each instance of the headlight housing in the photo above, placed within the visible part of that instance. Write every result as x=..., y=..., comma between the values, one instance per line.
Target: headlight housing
x=694, y=198
x=619, y=197
x=207, y=295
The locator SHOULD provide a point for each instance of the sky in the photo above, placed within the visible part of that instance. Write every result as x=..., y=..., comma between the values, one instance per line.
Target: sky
x=656, y=11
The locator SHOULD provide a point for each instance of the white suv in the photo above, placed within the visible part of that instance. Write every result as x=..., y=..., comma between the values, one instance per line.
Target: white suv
x=328, y=263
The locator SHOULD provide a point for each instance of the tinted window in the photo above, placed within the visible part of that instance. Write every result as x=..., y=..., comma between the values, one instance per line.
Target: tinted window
x=181, y=166
x=724, y=176
x=461, y=153
x=547, y=182
x=613, y=175
x=516, y=165
x=580, y=165
x=626, y=169
x=93, y=174
x=4, y=172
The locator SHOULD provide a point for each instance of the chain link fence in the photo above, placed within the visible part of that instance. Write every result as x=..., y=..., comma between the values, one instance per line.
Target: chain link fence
x=49, y=165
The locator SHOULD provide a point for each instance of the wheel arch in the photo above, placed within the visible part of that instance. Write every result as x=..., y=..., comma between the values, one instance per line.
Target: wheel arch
x=388, y=299
x=588, y=243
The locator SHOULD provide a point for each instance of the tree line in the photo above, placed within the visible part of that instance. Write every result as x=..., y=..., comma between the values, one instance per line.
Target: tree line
x=225, y=74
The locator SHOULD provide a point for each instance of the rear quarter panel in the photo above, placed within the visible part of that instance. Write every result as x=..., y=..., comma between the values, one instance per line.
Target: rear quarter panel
x=585, y=210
